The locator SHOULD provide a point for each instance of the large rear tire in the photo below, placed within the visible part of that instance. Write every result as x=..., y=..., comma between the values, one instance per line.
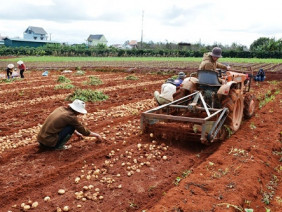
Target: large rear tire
x=249, y=106
x=235, y=104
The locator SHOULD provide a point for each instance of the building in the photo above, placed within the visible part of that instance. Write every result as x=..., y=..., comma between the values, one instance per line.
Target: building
x=94, y=40
x=17, y=42
x=133, y=44
x=2, y=40
x=130, y=44
x=184, y=45
x=35, y=33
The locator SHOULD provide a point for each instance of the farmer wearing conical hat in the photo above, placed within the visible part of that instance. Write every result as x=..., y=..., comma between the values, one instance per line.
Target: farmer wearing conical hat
x=22, y=67
x=9, y=70
x=61, y=124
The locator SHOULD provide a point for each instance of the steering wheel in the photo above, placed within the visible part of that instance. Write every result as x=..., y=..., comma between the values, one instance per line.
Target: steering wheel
x=220, y=72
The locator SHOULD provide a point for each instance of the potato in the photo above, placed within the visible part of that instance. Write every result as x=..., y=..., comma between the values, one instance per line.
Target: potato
x=61, y=191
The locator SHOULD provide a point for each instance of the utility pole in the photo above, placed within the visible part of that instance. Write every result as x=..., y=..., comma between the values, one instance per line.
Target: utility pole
x=142, y=29
x=50, y=35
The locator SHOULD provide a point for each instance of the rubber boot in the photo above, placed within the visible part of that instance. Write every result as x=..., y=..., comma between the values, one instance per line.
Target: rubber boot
x=62, y=144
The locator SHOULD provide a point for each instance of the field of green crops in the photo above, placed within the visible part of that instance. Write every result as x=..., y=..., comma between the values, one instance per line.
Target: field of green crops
x=141, y=59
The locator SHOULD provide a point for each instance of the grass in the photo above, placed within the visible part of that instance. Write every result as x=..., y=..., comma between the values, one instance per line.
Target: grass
x=63, y=79
x=87, y=95
x=268, y=97
x=253, y=126
x=228, y=205
x=10, y=80
x=134, y=59
x=131, y=77
x=238, y=152
x=220, y=173
x=185, y=174
x=64, y=86
x=229, y=131
x=92, y=80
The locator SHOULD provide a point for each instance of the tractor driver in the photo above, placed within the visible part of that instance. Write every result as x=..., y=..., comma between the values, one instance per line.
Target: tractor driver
x=209, y=61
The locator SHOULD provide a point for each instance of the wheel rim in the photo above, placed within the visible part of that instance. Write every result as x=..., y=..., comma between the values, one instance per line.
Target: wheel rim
x=237, y=114
x=251, y=107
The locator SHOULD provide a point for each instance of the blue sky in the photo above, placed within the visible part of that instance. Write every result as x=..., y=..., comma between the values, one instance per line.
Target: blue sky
x=205, y=21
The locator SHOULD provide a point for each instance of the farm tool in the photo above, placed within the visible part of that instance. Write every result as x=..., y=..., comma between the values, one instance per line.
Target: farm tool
x=215, y=105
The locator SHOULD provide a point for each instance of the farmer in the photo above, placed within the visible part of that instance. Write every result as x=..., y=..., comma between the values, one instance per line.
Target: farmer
x=61, y=124
x=21, y=67
x=167, y=91
x=9, y=70
x=260, y=75
x=209, y=61
x=179, y=80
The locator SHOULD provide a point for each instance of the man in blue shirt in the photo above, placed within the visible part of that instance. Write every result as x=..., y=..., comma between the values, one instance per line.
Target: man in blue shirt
x=179, y=80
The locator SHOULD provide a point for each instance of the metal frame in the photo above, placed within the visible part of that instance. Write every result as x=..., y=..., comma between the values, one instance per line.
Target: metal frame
x=183, y=104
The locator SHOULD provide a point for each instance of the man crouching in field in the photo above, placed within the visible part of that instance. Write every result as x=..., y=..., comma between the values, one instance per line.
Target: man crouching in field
x=61, y=124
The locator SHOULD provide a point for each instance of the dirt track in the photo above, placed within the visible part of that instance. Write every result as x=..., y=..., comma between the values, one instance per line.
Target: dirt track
x=128, y=171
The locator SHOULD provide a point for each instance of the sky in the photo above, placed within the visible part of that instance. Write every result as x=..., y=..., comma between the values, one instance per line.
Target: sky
x=192, y=21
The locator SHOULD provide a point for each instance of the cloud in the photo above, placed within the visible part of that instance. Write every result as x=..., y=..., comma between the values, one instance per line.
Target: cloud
x=179, y=15
x=208, y=21
x=61, y=11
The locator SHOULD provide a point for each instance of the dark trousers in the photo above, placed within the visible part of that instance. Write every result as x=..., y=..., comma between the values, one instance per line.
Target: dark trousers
x=64, y=136
x=21, y=72
x=9, y=73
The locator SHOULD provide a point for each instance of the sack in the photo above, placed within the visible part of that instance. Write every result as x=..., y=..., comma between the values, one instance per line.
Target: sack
x=45, y=73
x=15, y=74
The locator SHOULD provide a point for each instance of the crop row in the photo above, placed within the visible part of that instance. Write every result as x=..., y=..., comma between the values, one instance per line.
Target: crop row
x=63, y=96
x=49, y=86
x=23, y=138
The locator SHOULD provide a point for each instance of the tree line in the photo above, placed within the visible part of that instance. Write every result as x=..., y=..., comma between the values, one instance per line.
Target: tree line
x=260, y=48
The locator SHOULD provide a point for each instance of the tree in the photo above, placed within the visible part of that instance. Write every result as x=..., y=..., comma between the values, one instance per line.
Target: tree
x=259, y=43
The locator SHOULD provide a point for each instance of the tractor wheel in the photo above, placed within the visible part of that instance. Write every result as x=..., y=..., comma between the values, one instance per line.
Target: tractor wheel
x=235, y=104
x=249, y=106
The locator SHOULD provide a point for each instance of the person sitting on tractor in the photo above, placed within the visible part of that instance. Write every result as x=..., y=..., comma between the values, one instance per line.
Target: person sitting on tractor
x=167, y=91
x=179, y=80
x=209, y=61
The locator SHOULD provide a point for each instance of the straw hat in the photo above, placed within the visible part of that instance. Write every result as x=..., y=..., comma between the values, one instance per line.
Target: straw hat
x=11, y=66
x=78, y=106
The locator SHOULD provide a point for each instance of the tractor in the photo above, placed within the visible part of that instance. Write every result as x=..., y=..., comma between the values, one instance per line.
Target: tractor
x=209, y=106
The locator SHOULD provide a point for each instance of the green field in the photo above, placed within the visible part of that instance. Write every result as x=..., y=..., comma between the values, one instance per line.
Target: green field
x=140, y=59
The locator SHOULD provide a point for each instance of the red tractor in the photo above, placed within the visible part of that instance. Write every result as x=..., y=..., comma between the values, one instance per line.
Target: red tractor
x=203, y=106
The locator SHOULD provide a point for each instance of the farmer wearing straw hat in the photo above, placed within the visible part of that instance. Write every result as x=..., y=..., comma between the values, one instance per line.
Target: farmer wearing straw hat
x=10, y=70
x=209, y=61
x=61, y=124
x=21, y=67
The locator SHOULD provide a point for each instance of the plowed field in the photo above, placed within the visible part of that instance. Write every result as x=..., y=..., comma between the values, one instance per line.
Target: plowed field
x=130, y=171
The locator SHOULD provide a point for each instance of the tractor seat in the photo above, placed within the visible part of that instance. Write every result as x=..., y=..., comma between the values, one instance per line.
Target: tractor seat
x=208, y=77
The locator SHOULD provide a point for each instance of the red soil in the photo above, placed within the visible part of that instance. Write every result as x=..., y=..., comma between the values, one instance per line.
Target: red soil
x=242, y=172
